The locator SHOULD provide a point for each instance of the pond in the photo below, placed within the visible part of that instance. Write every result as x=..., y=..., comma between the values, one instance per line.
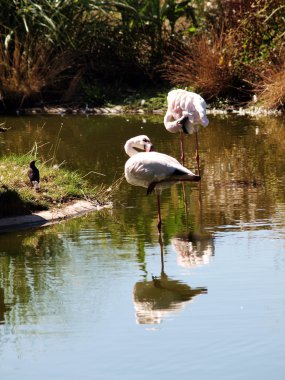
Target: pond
x=102, y=297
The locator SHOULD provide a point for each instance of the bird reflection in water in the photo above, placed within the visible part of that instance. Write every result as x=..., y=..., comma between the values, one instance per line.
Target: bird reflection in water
x=193, y=249
x=162, y=296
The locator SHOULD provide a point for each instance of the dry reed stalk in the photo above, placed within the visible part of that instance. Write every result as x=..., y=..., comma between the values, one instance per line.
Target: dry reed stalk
x=204, y=63
x=270, y=88
x=27, y=68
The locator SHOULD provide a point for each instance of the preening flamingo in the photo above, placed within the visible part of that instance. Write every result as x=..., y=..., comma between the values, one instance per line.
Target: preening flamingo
x=185, y=112
x=153, y=170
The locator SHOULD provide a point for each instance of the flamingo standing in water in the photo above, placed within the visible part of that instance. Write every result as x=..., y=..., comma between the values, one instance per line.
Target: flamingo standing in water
x=188, y=110
x=153, y=170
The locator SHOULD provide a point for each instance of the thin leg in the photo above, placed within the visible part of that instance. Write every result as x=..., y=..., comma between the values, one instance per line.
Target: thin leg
x=182, y=148
x=185, y=202
x=197, y=152
x=161, y=254
x=158, y=214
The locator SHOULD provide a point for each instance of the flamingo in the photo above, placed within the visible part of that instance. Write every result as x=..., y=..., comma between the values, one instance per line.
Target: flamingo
x=153, y=170
x=188, y=110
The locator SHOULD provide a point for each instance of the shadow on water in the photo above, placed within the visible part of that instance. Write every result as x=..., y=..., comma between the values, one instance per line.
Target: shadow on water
x=162, y=296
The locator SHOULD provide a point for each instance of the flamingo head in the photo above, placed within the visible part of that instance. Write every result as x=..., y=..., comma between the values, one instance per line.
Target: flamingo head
x=138, y=144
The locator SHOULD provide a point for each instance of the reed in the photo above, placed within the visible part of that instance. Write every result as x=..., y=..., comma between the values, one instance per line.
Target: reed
x=205, y=64
x=270, y=85
x=28, y=68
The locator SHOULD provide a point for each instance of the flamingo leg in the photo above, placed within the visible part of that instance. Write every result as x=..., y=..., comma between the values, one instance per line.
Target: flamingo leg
x=185, y=202
x=182, y=147
x=161, y=254
x=158, y=214
x=197, y=152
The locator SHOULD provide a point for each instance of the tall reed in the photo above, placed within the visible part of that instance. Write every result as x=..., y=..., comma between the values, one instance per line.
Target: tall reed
x=204, y=63
x=28, y=68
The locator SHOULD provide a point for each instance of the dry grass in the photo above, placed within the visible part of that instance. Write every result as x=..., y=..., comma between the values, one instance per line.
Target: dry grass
x=270, y=87
x=205, y=64
x=27, y=68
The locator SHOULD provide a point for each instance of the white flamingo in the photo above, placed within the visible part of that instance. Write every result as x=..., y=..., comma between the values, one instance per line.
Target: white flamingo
x=185, y=112
x=153, y=170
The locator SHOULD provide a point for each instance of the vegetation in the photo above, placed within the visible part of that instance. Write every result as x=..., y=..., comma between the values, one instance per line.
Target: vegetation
x=57, y=186
x=98, y=52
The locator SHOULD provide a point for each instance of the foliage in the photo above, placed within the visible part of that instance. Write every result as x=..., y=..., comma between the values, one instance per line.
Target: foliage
x=219, y=62
x=54, y=49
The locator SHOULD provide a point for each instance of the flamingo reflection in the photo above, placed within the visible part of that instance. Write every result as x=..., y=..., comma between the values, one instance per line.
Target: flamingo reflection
x=193, y=249
x=162, y=296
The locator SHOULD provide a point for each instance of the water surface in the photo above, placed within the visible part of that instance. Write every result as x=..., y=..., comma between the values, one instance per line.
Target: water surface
x=102, y=297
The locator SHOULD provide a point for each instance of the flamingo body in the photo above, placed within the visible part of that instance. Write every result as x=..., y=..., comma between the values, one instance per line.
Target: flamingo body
x=153, y=170
x=148, y=168
x=185, y=104
x=188, y=110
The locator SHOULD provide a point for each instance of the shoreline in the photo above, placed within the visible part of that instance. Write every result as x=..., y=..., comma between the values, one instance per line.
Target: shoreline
x=49, y=217
x=121, y=109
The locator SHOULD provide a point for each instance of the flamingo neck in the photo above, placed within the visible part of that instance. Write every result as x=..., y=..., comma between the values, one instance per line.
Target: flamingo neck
x=129, y=149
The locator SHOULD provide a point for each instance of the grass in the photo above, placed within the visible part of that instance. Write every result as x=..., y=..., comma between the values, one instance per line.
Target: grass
x=140, y=97
x=147, y=99
x=58, y=186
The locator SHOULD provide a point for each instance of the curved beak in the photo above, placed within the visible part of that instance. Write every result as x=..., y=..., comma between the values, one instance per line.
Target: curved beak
x=148, y=147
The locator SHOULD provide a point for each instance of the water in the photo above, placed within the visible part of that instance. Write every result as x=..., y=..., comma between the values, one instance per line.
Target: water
x=101, y=297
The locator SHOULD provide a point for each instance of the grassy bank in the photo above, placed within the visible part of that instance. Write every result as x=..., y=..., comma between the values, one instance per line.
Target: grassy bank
x=58, y=186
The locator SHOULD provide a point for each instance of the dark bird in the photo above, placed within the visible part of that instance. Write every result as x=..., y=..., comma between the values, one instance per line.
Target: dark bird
x=34, y=175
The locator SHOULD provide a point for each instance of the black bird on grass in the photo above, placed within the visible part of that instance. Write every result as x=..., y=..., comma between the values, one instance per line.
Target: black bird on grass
x=34, y=175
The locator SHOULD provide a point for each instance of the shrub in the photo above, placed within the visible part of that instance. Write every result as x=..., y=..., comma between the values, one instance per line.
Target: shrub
x=28, y=68
x=204, y=63
x=270, y=85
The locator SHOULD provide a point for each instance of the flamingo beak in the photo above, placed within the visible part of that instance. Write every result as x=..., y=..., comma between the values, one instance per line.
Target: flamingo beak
x=148, y=147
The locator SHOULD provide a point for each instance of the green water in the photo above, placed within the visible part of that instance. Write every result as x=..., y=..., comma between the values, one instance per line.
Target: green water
x=101, y=297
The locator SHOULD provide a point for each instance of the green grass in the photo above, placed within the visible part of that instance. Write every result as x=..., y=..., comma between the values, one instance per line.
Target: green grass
x=148, y=99
x=58, y=186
